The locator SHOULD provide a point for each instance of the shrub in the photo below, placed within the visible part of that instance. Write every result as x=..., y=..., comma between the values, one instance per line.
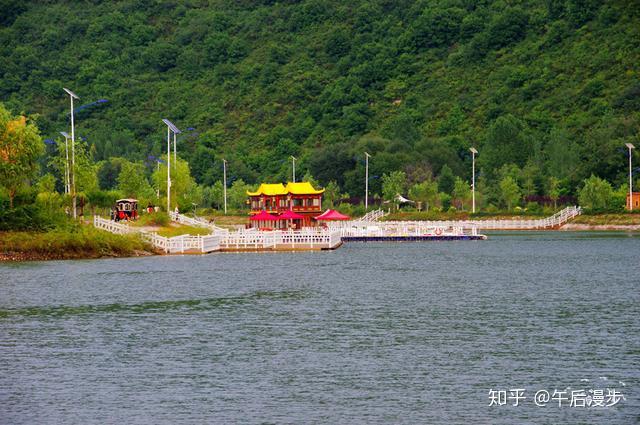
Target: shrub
x=596, y=194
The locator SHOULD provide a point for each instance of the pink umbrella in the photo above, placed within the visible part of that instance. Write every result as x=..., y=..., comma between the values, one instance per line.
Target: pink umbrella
x=263, y=216
x=329, y=215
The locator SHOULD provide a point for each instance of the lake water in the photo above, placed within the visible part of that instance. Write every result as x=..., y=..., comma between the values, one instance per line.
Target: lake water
x=369, y=333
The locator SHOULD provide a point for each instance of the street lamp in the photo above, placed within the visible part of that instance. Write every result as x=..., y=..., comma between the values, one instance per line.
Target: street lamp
x=170, y=128
x=72, y=95
x=224, y=183
x=474, y=152
x=630, y=147
x=293, y=159
x=366, y=181
x=66, y=136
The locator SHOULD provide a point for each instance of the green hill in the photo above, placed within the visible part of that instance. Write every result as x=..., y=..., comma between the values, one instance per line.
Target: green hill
x=550, y=86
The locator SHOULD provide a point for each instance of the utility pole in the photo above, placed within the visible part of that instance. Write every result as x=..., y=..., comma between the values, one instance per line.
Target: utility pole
x=366, y=182
x=630, y=147
x=473, y=179
x=67, y=183
x=72, y=95
x=170, y=128
x=169, y=170
x=224, y=183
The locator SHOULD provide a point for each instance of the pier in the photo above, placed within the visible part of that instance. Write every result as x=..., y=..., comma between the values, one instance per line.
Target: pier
x=368, y=228
x=223, y=240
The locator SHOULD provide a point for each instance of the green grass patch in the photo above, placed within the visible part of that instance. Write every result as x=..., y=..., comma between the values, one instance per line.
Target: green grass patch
x=608, y=219
x=152, y=219
x=171, y=231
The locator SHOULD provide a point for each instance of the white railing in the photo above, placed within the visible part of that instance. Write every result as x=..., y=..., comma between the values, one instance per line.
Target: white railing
x=390, y=229
x=374, y=215
x=277, y=239
x=184, y=243
x=176, y=244
x=309, y=239
x=194, y=221
x=556, y=220
x=111, y=226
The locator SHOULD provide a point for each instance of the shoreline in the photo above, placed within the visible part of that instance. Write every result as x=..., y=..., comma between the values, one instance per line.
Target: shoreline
x=580, y=227
x=22, y=256
x=16, y=256
x=74, y=243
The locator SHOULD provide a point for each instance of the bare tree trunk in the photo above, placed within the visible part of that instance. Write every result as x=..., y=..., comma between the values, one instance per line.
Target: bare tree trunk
x=12, y=194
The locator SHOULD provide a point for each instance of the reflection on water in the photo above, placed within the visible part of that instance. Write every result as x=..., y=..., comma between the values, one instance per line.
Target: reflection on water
x=406, y=332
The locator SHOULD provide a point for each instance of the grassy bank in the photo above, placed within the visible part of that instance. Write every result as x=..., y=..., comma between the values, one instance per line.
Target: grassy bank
x=623, y=219
x=73, y=242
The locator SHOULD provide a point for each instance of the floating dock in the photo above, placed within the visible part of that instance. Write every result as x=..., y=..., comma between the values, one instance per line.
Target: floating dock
x=403, y=231
x=423, y=238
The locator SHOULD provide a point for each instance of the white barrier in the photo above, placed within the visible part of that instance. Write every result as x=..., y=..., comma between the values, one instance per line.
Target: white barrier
x=194, y=221
x=277, y=239
x=182, y=243
x=450, y=227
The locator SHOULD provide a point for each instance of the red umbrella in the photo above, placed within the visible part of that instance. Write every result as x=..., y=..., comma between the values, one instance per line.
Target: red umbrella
x=263, y=216
x=290, y=215
x=332, y=215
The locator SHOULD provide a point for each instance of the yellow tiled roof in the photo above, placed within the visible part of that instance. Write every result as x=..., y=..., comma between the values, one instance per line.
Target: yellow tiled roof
x=300, y=188
x=269, y=190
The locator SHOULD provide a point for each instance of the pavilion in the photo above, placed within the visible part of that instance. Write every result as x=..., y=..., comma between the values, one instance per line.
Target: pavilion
x=294, y=205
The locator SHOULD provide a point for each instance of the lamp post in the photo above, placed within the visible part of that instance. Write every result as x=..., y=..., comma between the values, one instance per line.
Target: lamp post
x=158, y=188
x=72, y=171
x=67, y=184
x=175, y=158
x=473, y=179
x=366, y=181
x=170, y=128
x=293, y=159
x=224, y=183
x=630, y=147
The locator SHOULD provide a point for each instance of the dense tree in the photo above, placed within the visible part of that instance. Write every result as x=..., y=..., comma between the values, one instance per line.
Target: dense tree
x=184, y=190
x=554, y=190
x=446, y=180
x=425, y=192
x=331, y=194
x=413, y=83
x=596, y=193
x=509, y=191
x=20, y=147
x=393, y=184
x=132, y=182
x=461, y=193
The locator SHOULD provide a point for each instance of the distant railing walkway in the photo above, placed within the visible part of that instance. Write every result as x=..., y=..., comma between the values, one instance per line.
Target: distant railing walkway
x=393, y=229
x=373, y=215
x=195, y=221
x=552, y=222
x=366, y=227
